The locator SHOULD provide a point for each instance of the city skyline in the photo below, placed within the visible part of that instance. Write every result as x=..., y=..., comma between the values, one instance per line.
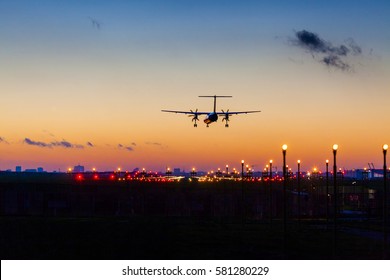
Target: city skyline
x=85, y=82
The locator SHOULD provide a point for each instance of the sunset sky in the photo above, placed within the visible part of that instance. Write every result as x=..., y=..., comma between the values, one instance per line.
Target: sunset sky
x=84, y=82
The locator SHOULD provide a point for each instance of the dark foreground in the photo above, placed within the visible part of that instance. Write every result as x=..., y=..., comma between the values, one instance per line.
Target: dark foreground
x=58, y=218
x=174, y=238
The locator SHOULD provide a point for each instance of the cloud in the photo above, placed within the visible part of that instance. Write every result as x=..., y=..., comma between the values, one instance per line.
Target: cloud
x=325, y=52
x=2, y=140
x=36, y=143
x=95, y=23
x=66, y=144
x=63, y=144
x=89, y=144
x=153, y=143
x=127, y=148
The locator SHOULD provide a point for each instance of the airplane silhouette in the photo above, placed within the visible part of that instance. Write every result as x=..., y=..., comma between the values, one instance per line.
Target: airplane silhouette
x=211, y=116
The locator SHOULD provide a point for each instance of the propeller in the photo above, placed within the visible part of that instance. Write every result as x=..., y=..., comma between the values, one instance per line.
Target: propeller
x=194, y=117
x=226, y=117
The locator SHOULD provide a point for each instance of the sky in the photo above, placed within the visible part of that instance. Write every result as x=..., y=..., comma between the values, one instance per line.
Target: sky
x=84, y=82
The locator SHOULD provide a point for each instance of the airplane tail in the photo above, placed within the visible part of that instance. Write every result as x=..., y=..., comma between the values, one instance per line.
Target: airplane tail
x=215, y=98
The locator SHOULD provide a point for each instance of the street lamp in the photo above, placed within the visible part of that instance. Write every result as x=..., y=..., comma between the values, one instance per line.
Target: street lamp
x=284, y=150
x=270, y=190
x=299, y=191
x=327, y=191
x=242, y=169
x=385, y=147
x=227, y=170
x=335, y=147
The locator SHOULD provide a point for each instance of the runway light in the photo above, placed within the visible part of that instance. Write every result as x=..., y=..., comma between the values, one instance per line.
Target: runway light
x=335, y=147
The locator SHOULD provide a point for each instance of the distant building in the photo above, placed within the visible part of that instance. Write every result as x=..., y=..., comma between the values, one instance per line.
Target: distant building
x=32, y=170
x=176, y=171
x=78, y=168
x=40, y=169
x=18, y=168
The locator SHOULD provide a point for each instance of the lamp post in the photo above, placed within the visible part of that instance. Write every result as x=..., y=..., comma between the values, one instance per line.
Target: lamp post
x=242, y=170
x=270, y=190
x=299, y=191
x=284, y=150
x=242, y=194
x=327, y=191
x=227, y=170
x=385, y=147
x=335, y=147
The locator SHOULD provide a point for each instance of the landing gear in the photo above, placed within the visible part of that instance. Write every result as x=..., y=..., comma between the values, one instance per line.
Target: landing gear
x=195, y=125
x=226, y=117
x=207, y=125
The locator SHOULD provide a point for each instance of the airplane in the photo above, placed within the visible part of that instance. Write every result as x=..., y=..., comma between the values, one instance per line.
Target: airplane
x=211, y=116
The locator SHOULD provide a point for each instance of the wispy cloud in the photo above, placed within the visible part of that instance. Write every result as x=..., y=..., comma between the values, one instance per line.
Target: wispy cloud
x=28, y=141
x=66, y=144
x=127, y=148
x=153, y=143
x=95, y=23
x=63, y=144
x=2, y=140
x=335, y=56
x=89, y=144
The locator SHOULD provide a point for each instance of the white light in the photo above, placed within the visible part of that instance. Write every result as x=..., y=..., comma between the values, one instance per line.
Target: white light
x=335, y=147
x=284, y=147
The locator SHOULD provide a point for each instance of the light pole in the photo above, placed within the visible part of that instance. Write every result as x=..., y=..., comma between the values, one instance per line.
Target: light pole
x=227, y=170
x=242, y=170
x=242, y=193
x=385, y=147
x=327, y=191
x=284, y=150
x=299, y=191
x=119, y=173
x=270, y=190
x=335, y=147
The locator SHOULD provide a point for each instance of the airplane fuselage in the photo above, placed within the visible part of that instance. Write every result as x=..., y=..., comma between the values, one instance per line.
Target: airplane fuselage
x=212, y=117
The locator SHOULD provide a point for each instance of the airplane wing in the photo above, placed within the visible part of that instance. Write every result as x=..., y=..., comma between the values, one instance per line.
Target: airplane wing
x=236, y=113
x=186, y=112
